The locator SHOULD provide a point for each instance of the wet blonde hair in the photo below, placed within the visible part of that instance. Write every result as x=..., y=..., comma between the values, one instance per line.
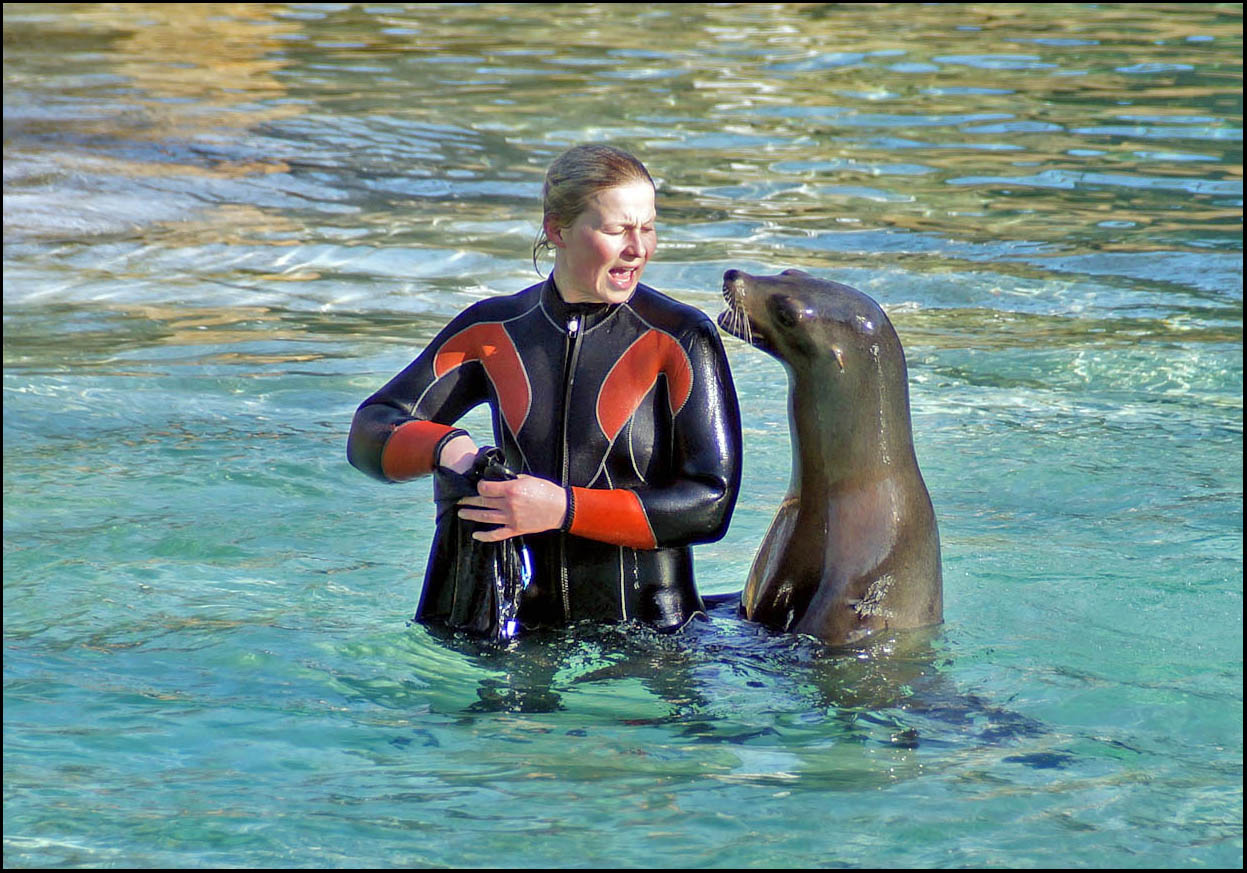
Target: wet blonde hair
x=575, y=176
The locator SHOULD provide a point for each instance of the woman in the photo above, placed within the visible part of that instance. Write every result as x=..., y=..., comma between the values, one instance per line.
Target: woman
x=613, y=401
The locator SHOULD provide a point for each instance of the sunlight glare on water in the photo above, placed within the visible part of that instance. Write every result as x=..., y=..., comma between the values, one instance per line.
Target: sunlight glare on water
x=226, y=225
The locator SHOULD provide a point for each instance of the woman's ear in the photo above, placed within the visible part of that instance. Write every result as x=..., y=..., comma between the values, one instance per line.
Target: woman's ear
x=554, y=232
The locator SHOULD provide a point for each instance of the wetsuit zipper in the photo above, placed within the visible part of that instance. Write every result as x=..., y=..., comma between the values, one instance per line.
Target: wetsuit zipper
x=569, y=371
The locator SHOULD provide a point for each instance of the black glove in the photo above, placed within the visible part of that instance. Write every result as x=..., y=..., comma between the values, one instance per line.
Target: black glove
x=471, y=585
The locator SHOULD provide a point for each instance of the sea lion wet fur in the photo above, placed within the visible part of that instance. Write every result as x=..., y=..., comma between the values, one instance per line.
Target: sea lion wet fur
x=854, y=549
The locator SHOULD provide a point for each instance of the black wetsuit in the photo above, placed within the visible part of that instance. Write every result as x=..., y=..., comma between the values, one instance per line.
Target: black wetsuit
x=629, y=406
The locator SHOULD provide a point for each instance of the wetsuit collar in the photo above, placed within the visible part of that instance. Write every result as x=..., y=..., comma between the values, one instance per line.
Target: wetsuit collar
x=561, y=311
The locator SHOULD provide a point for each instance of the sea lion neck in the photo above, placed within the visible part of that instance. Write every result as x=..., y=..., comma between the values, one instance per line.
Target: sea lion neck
x=860, y=429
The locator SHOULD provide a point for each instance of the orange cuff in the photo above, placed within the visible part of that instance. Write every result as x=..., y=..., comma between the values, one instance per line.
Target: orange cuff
x=411, y=450
x=610, y=516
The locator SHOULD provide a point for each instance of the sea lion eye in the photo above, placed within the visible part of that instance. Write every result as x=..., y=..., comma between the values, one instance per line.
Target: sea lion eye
x=787, y=311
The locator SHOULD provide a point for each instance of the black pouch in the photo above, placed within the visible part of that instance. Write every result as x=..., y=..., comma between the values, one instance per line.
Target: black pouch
x=470, y=585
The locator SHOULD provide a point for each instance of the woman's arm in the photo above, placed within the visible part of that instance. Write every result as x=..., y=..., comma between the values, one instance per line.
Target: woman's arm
x=695, y=504
x=407, y=427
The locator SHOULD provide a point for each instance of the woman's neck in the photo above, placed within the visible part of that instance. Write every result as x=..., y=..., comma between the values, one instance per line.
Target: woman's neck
x=569, y=294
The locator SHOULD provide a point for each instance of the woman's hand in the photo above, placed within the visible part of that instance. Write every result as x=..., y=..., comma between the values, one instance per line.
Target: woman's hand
x=522, y=506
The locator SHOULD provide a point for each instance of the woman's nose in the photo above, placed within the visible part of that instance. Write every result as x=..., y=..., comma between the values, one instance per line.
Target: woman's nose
x=635, y=244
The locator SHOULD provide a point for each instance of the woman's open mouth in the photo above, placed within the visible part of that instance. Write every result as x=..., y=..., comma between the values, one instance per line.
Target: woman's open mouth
x=623, y=277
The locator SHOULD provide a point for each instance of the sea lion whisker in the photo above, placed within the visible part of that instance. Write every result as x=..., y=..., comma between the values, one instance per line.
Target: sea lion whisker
x=737, y=320
x=741, y=326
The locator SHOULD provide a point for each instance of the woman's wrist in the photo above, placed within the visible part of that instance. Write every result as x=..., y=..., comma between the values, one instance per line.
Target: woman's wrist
x=458, y=453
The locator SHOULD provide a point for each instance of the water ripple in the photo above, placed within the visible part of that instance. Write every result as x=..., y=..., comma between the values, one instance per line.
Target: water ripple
x=226, y=225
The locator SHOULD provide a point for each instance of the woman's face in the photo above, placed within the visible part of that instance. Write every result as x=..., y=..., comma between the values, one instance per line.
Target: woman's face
x=602, y=253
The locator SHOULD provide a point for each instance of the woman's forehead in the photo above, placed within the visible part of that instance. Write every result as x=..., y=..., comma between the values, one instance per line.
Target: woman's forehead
x=633, y=202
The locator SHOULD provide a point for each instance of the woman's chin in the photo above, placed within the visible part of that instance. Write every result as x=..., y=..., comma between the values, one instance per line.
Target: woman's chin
x=616, y=295
x=612, y=291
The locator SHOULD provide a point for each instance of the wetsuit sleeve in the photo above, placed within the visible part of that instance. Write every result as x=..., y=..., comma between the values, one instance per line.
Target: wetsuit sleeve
x=398, y=432
x=695, y=504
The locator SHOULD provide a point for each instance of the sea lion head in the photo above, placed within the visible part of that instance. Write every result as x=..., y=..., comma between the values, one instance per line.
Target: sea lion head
x=808, y=323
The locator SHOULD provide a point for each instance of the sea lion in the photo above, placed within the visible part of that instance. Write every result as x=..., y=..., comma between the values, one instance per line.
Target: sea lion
x=854, y=548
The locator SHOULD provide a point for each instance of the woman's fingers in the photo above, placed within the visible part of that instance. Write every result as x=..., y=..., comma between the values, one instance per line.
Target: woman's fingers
x=488, y=510
x=483, y=502
x=519, y=506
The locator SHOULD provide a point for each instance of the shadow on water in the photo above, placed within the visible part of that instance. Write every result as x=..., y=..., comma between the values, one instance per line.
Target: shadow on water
x=729, y=681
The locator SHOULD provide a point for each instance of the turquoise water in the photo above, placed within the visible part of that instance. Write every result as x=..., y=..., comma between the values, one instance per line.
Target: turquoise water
x=227, y=225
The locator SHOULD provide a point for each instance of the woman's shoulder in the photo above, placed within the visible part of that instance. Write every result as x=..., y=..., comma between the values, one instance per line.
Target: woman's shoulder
x=666, y=313
x=504, y=306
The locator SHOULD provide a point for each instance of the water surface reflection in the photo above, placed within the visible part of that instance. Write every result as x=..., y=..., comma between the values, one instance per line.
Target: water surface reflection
x=225, y=225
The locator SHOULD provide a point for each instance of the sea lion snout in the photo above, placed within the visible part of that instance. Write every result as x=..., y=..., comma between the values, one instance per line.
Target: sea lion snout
x=734, y=319
x=734, y=286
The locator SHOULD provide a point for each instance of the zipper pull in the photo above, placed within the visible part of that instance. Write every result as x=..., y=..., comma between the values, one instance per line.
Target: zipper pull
x=573, y=325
